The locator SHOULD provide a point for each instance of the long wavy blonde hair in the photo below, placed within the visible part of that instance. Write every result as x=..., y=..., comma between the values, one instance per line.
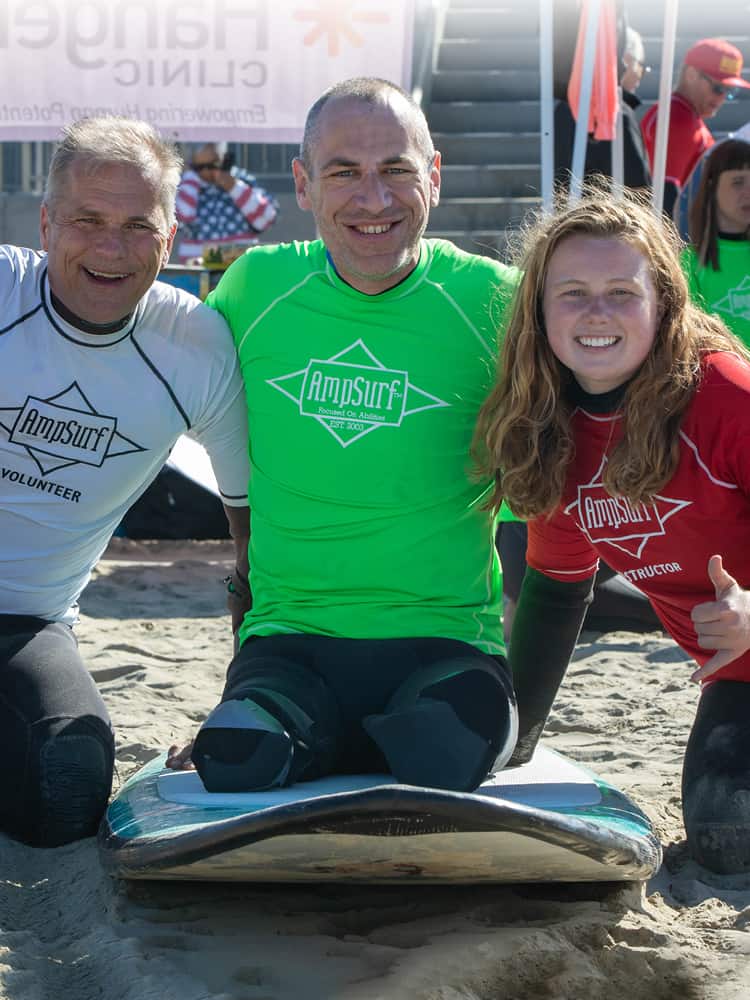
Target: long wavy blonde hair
x=523, y=436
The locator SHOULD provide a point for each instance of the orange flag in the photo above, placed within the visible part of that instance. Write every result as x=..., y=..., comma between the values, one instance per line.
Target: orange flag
x=603, y=109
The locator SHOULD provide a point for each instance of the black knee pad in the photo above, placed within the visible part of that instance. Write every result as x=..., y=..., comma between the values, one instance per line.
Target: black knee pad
x=263, y=740
x=716, y=811
x=243, y=748
x=298, y=699
x=716, y=779
x=75, y=779
x=447, y=728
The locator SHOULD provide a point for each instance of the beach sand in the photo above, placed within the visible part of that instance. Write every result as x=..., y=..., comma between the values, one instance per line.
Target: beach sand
x=156, y=639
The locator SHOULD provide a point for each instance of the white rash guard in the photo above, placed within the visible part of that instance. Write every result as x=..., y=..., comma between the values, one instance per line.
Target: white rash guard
x=87, y=421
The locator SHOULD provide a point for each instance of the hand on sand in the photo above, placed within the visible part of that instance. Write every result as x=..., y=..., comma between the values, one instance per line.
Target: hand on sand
x=180, y=759
x=723, y=624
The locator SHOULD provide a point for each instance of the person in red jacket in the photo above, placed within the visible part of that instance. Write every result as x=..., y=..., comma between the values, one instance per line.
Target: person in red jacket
x=622, y=435
x=710, y=73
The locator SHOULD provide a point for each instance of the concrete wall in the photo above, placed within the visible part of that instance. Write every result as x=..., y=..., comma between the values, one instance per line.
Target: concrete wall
x=19, y=219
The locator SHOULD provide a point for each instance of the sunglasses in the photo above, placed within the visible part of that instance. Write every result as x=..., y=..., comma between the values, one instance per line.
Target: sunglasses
x=720, y=89
x=214, y=165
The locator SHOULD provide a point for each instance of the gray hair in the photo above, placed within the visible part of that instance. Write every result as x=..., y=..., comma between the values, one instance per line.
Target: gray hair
x=109, y=139
x=370, y=90
x=634, y=45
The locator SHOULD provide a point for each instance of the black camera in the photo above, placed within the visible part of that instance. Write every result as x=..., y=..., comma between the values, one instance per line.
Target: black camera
x=228, y=161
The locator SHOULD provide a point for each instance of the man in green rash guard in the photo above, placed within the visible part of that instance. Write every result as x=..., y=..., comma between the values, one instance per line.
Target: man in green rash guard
x=374, y=642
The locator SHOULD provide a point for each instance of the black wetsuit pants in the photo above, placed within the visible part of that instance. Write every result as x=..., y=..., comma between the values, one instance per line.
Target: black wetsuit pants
x=56, y=742
x=429, y=711
x=716, y=779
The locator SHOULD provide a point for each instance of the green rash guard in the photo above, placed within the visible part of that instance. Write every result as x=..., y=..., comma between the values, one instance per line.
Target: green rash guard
x=725, y=292
x=367, y=520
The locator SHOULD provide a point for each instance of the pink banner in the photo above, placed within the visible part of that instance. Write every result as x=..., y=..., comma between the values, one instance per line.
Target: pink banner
x=231, y=70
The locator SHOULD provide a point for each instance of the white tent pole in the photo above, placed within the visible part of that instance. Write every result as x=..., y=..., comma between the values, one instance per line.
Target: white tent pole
x=618, y=150
x=665, y=97
x=547, y=101
x=584, y=102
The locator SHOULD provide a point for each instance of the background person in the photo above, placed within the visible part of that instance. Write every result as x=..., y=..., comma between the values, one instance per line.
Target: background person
x=717, y=262
x=375, y=639
x=218, y=202
x=623, y=433
x=681, y=211
x=636, y=170
x=102, y=369
x=710, y=73
x=616, y=603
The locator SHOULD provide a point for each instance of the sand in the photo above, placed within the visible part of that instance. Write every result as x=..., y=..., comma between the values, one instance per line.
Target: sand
x=155, y=637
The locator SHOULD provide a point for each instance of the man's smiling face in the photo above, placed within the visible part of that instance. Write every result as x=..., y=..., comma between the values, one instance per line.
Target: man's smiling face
x=106, y=237
x=370, y=189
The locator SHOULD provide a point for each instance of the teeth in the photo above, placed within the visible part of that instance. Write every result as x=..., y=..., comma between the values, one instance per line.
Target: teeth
x=374, y=230
x=597, y=341
x=103, y=274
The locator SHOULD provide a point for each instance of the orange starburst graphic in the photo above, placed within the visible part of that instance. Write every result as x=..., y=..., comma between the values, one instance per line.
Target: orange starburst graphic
x=333, y=19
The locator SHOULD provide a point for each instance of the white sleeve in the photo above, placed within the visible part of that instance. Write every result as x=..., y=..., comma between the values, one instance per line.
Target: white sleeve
x=226, y=441
x=222, y=426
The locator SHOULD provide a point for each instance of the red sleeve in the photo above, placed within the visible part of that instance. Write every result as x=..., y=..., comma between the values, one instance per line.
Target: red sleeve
x=558, y=548
x=685, y=145
x=256, y=205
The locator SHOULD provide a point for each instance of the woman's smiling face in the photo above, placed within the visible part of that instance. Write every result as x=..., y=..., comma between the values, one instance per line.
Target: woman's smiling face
x=600, y=309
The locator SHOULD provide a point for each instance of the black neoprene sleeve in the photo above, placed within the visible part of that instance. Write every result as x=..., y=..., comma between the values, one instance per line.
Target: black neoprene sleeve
x=546, y=626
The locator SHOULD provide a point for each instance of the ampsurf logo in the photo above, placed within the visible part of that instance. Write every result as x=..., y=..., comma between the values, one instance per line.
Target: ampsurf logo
x=352, y=393
x=615, y=521
x=736, y=302
x=63, y=430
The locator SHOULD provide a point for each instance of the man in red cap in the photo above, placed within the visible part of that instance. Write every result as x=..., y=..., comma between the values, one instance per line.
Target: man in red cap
x=710, y=73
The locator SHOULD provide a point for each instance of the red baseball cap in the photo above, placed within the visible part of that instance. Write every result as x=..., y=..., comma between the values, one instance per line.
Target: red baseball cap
x=718, y=59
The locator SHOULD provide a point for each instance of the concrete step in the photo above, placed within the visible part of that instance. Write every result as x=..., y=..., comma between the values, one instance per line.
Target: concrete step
x=481, y=213
x=511, y=7
x=483, y=116
x=491, y=180
x=488, y=147
x=486, y=85
x=698, y=20
x=505, y=52
x=490, y=21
